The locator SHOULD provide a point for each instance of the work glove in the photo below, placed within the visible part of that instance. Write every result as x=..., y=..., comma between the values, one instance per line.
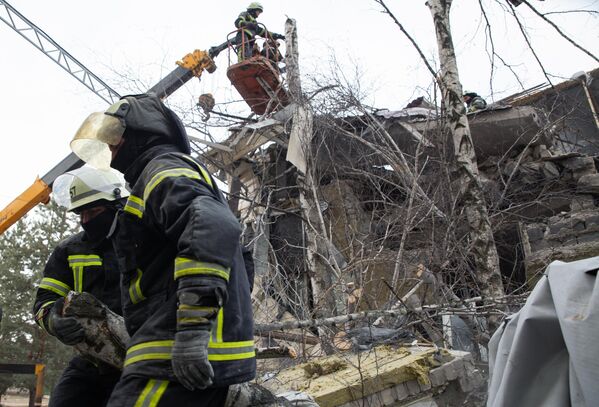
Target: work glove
x=190, y=359
x=66, y=329
x=251, y=26
x=278, y=36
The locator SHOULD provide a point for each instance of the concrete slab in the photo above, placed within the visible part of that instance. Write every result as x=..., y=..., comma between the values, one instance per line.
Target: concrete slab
x=341, y=379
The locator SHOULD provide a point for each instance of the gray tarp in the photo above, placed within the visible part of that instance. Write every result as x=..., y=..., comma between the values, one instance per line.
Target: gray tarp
x=547, y=354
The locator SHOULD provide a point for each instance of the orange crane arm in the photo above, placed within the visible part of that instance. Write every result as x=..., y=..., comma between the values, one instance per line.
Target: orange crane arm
x=38, y=192
x=191, y=65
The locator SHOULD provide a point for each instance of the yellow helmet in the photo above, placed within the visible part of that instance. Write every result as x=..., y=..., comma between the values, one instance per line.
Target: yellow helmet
x=254, y=5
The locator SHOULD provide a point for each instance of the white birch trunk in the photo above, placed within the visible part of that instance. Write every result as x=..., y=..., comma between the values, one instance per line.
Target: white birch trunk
x=483, y=249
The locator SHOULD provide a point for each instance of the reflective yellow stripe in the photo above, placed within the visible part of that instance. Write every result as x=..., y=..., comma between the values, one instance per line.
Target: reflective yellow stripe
x=135, y=206
x=55, y=286
x=235, y=356
x=84, y=260
x=227, y=345
x=152, y=344
x=152, y=393
x=148, y=356
x=84, y=257
x=144, y=393
x=205, y=174
x=219, y=325
x=228, y=351
x=136, y=200
x=154, y=350
x=135, y=293
x=39, y=315
x=159, y=392
x=217, y=330
x=77, y=262
x=40, y=312
x=217, y=352
x=174, y=172
x=85, y=264
x=78, y=279
x=190, y=267
x=202, y=271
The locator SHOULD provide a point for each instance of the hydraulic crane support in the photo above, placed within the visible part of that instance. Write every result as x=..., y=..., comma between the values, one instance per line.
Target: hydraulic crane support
x=39, y=192
x=191, y=65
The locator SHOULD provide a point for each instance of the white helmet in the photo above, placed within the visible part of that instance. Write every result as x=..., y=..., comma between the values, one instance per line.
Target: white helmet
x=83, y=186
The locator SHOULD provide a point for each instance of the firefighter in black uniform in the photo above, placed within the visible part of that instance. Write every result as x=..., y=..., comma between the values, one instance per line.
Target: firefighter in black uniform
x=474, y=102
x=83, y=262
x=188, y=308
x=248, y=27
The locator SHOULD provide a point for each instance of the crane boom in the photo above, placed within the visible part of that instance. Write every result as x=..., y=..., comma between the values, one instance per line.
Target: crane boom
x=42, y=41
x=192, y=65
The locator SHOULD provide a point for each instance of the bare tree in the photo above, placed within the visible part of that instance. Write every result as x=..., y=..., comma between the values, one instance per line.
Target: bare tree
x=470, y=197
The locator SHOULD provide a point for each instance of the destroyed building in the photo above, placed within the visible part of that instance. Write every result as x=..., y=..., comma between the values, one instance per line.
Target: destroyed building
x=535, y=152
x=359, y=240
x=378, y=204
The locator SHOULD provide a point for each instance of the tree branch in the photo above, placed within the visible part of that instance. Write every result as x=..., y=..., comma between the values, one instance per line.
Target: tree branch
x=551, y=23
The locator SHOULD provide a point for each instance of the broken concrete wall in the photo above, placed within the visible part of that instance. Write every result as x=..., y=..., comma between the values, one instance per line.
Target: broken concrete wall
x=495, y=132
x=347, y=220
x=568, y=109
x=552, y=200
x=566, y=237
x=364, y=201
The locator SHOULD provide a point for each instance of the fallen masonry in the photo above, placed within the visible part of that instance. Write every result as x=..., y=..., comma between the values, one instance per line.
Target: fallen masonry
x=382, y=376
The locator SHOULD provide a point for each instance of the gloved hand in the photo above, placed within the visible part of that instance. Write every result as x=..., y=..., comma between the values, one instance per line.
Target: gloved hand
x=66, y=329
x=190, y=359
x=278, y=36
x=251, y=26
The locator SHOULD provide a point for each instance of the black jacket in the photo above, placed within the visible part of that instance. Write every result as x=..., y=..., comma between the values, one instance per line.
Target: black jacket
x=249, y=24
x=177, y=223
x=78, y=265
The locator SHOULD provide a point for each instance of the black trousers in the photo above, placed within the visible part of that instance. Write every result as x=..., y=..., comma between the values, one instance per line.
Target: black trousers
x=84, y=384
x=133, y=391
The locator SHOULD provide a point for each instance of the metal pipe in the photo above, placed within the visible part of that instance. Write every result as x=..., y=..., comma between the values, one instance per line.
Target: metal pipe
x=582, y=77
x=591, y=102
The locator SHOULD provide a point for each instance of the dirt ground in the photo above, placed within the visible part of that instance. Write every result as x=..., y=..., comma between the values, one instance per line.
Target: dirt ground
x=19, y=400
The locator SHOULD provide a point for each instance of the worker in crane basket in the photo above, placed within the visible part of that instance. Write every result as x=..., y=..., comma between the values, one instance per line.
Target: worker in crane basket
x=249, y=28
x=178, y=243
x=474, y=102
x=84, y=262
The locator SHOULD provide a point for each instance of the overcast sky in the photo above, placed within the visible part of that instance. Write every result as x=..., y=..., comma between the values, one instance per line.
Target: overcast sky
x=42, y=106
